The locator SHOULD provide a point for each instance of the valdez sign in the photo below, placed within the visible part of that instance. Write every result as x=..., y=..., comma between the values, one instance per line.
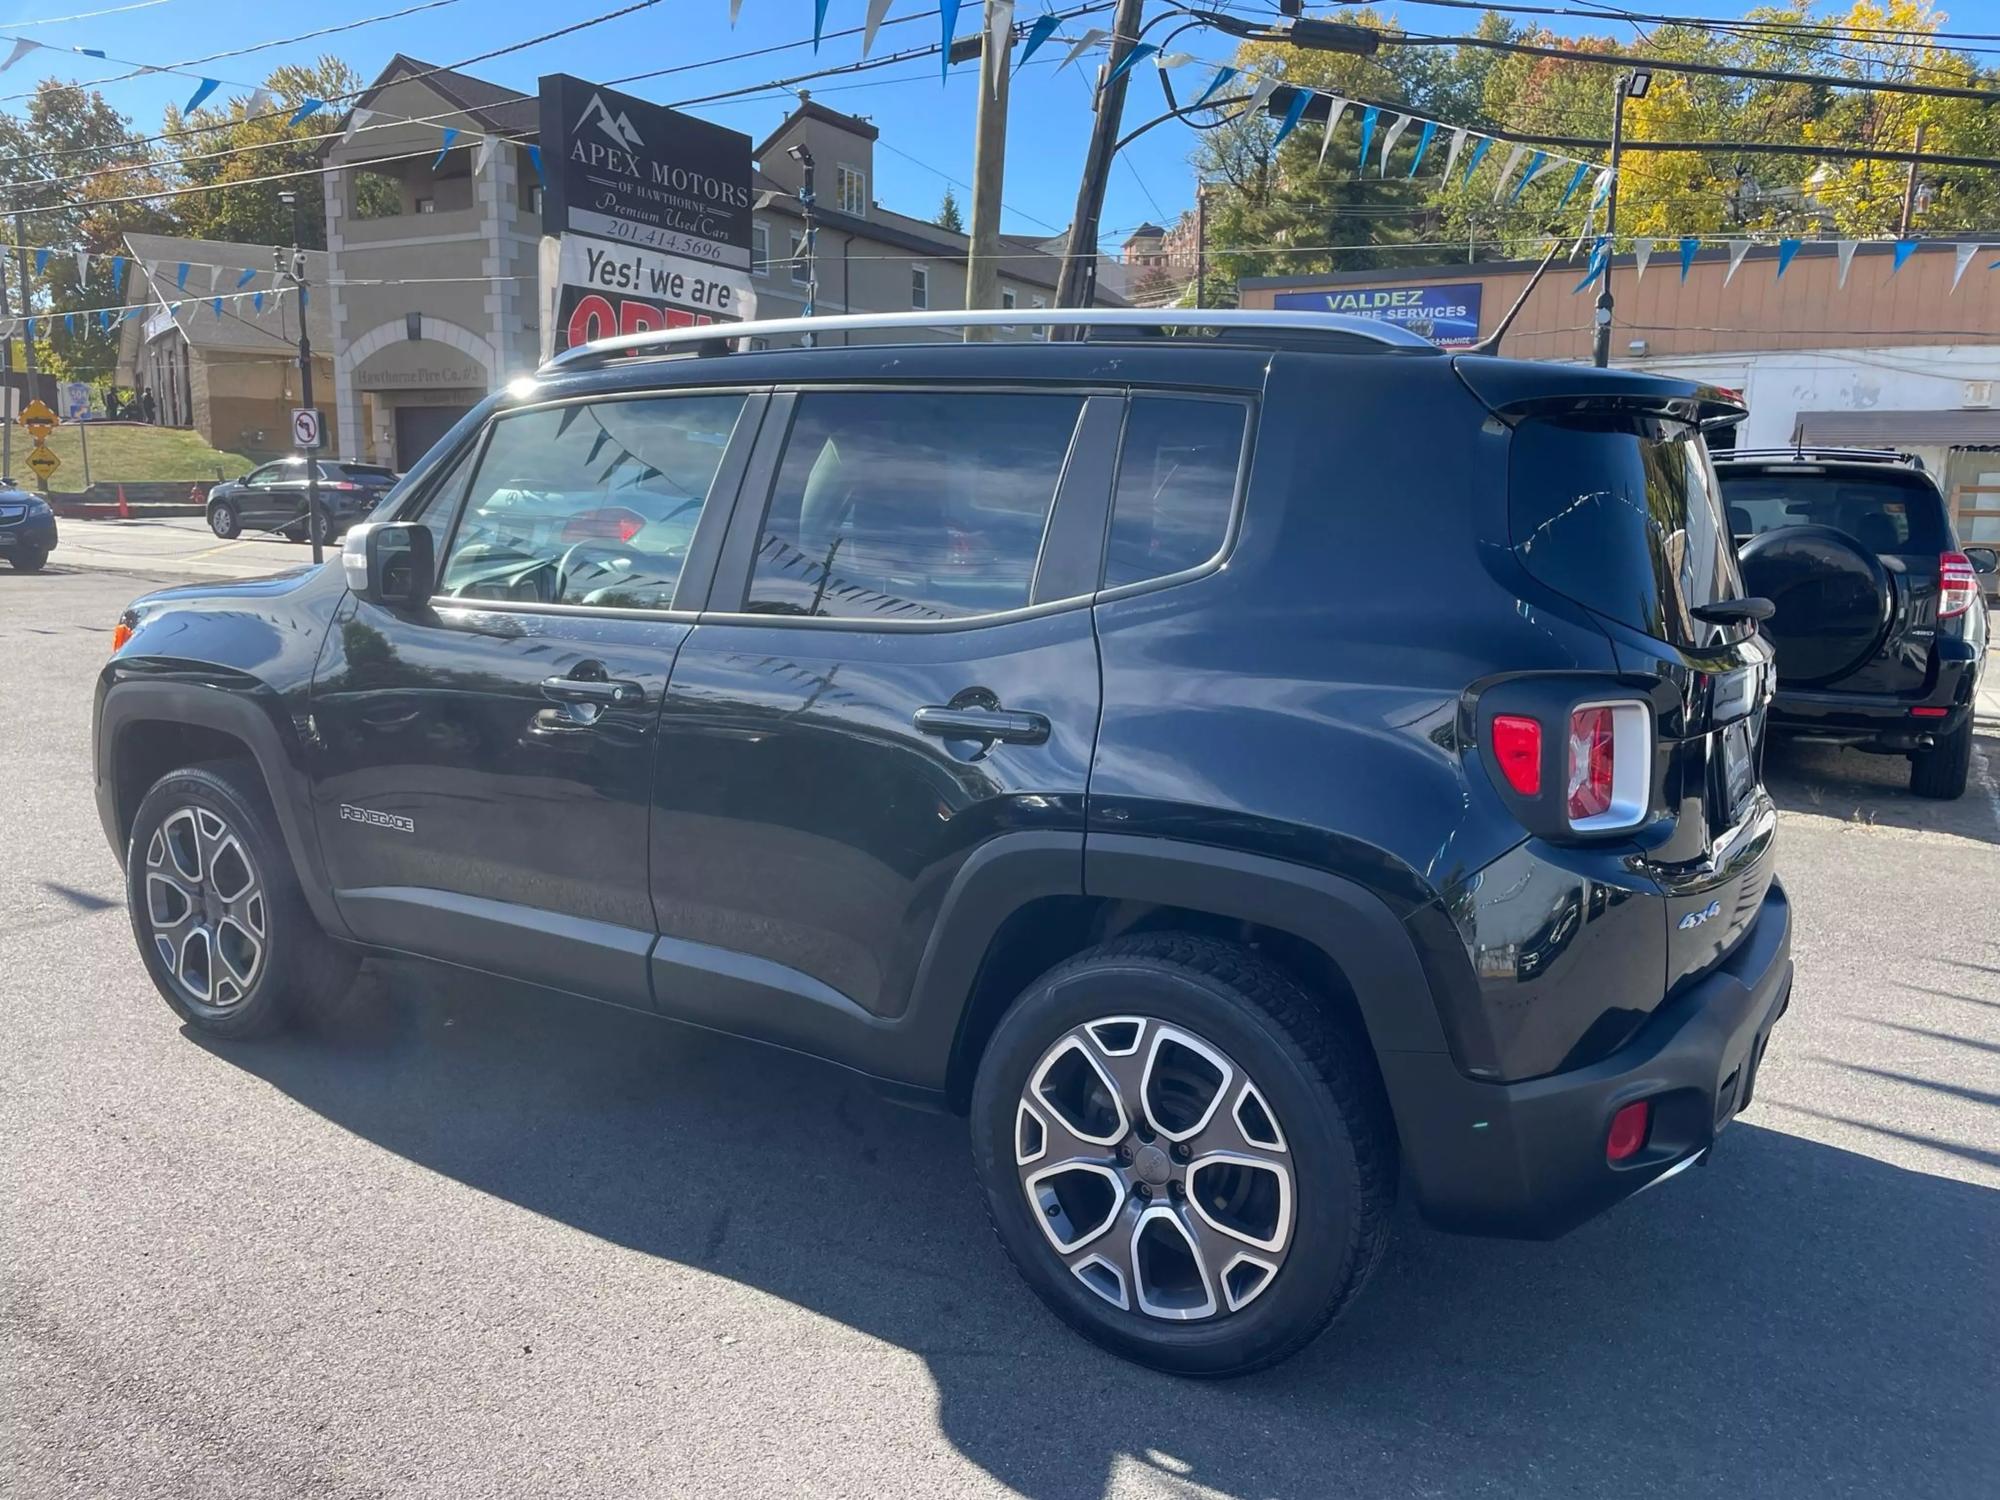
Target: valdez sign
x=621, y=169
x=1447, y=315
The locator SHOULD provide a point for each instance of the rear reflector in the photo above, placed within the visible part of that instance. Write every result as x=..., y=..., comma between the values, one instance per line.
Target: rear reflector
x=1929, y=713
x=1958, y=584
x=1517, y=745
x=1628, y=1131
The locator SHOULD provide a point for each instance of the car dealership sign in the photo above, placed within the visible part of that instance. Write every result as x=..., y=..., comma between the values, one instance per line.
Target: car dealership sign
x=1446, y=314
x=622, y=169
x=606, y=288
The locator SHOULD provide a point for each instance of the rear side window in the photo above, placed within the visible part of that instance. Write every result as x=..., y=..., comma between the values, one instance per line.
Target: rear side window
x=589, y=504
x=1622, y=515
x=1176, y=484
x=907, y=505
x=1890, y=512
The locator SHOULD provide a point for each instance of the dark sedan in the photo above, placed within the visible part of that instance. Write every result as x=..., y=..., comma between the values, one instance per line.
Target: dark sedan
x=27, y=528
x=273, y=498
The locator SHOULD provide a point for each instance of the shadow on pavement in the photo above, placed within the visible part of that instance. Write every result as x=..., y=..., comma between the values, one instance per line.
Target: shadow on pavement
x=1772, y=1324
x=1855, y=786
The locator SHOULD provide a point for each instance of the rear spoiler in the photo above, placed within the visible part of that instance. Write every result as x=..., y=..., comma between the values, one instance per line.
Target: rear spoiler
x=1513, y=389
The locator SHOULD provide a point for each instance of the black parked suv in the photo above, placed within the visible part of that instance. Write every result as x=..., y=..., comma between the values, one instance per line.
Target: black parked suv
x=1243, y=760
x=1879, y=627
x=273, y=497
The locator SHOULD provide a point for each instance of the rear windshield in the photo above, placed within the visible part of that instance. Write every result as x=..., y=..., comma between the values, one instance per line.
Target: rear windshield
x=373, y=473
x=1621, y=515
x=1888, y=512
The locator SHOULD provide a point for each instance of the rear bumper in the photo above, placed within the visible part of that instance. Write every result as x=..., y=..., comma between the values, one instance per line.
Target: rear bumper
x=1883, y=720
x=1527, y=1159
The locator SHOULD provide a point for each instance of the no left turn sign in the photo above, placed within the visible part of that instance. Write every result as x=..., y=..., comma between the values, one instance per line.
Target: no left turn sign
x=305, y=427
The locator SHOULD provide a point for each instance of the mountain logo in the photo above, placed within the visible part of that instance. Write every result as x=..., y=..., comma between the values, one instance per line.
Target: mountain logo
x=618, y=126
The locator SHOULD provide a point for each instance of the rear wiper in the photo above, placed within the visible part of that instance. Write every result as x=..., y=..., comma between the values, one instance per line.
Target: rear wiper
x=1728, y=611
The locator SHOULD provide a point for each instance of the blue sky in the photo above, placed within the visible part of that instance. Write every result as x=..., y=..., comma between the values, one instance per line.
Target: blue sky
x=926, y=123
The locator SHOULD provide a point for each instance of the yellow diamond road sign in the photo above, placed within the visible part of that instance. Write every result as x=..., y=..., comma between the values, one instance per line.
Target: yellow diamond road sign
x=44, y=462
x=39, y=420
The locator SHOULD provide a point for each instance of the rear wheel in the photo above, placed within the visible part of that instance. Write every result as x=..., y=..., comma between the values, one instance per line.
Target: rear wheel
x=223, y=520
x=1942, y=771
x=28, y=559
x=221, y=923
x=1183, y=1154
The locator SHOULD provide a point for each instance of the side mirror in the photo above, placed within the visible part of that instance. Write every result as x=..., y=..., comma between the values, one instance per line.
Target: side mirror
x=1983, y=559
x=390, y=563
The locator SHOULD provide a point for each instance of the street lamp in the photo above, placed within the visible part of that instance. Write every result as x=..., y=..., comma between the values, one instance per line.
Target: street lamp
x=1632, y=85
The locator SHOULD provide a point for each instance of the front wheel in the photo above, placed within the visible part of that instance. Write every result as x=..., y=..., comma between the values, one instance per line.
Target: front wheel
x=1942, y=770
x=225, y=931
x=1185, y=1154
x=223, y=520
x=28, y=559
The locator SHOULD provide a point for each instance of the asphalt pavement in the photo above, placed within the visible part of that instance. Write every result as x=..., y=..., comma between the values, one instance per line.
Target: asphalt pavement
x=475, y=1241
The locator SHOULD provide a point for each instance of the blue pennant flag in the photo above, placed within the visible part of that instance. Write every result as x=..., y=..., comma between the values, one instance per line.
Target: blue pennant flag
x=246, y=278
x=1222, y=76
x=1535, y=164
x=1368, y=118
x=535, y=156
x=302, y=299
x=104, y=319
x=1904, y=250
x=1293, y=113
x=310, y=106
x=1139, y=53
x=1477, y=155
x=948, y=24
x=41, y=261
x=450, y=135
x=69, y=324
x=181, y=275
x=1786, y=250
x=258, y=301
x=1600, y=258
x=1041, y=31
x=216, y=306
x=31, y=328
x=208, y=86
x=1689, y=244
x=1575, y=182
x=130, y=314
x=92, y=52
x=1423, y=144
x=117, y=274
x=819, y=21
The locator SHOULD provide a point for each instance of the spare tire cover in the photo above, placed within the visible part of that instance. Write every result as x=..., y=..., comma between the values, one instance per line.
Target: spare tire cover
x=1833, y=597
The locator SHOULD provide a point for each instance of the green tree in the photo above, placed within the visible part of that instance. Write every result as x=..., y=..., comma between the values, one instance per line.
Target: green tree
x=948, y=215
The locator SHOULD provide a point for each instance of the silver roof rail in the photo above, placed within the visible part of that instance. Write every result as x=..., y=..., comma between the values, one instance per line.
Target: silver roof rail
x=708, y=335
x=1818, y=453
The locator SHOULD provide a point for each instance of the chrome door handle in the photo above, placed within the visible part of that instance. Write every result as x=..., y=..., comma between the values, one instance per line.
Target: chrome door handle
x=605, y=693
x=988, y=724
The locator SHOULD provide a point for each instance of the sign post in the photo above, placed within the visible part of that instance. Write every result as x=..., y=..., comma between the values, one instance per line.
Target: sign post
x=650, y=209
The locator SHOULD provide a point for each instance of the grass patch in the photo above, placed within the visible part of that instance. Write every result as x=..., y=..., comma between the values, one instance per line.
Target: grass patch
x=121, y=454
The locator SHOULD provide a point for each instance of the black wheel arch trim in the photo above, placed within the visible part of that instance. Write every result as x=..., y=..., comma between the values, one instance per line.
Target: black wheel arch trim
x=247, y=711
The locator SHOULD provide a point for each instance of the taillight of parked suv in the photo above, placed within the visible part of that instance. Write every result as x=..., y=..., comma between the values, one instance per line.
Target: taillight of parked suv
x=1958, y=584
x=1570, y=767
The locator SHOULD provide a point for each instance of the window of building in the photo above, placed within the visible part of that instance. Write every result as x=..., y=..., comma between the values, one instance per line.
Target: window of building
x=853, y=190
x=1041, y=330
x=920, y=286
x=1176, y=486
x=590, y=505
x=1009, y=301
x=801, y=264
x=911, y=505
x=760, y=249
x=427, y=205
x=373, y=195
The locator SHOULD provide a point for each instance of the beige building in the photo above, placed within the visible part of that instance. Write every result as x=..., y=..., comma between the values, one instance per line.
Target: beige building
x=1892, y=359
x=231, y=375
x=433, y=263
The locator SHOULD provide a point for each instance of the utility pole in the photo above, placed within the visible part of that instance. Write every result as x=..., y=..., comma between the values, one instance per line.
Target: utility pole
x=1200, y=243
x=6, y=379
x=295, y=269
x=1632, y=85
x=989, y=164
x=802, y=154
x=1910, y=186
x=1080, y=253
x=27, y=338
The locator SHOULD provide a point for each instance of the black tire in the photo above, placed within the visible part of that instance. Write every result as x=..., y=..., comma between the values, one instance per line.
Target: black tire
x=1941, y=771
x=1311, y=1066
x=326, y=526
x=28, y=559
x=299, y=973
x=223, y=520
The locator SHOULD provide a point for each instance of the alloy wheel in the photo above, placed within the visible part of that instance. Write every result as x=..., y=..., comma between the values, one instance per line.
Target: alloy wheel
x=1156, y=1168
x=205, y=908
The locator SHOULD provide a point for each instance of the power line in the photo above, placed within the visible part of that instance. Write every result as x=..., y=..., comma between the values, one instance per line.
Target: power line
x=1801, y=28
x=89, y=15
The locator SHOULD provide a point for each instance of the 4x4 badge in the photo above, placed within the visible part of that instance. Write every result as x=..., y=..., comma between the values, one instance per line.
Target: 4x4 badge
x=352, y=814
x=1696, y=918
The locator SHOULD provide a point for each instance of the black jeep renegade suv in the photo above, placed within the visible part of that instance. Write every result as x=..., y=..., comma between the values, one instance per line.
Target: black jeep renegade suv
x=1237, y=758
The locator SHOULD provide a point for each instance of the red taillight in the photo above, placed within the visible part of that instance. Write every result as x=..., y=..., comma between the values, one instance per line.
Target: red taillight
x=608, y=523
x=1628, y=1131
x=1592, y=759
x=1958, y=584
x=1517, y=745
